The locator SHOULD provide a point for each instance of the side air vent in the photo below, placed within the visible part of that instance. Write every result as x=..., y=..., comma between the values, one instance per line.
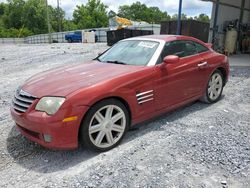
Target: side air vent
x=145, y=96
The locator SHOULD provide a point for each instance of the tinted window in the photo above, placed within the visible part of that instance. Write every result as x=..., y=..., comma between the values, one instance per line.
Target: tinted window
x=200, y=48
x=190, y=49
x=179, y=48
x=78, y=32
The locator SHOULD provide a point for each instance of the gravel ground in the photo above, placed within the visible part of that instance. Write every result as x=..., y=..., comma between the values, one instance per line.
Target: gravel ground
x=199, y=145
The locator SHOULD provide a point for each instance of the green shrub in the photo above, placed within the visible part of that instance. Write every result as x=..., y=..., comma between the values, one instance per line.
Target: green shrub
x=14, y=33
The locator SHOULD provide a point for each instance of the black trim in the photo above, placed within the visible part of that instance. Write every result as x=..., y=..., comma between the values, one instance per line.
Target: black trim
x=160, y=59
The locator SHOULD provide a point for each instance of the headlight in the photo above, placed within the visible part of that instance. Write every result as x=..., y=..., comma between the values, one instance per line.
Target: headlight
x=50, y=105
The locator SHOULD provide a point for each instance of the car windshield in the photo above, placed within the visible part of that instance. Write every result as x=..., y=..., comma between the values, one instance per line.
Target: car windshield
x=130, y=52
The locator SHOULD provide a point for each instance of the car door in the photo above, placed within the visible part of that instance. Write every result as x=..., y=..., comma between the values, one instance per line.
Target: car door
x=178, y=82
x=208, y=59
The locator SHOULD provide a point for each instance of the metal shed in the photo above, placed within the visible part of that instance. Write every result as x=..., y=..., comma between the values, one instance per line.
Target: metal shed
x=230, y=14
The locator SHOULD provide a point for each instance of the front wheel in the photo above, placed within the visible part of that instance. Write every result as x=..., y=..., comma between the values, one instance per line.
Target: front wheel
x=214, y=88
x=105, y=125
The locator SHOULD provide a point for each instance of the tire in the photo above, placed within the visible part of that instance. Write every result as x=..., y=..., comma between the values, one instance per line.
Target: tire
x=70, y=40
x=214, y=88
x=104, y=125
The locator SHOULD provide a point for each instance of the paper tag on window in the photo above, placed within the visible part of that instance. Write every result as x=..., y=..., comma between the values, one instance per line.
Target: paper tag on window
x=147, y=44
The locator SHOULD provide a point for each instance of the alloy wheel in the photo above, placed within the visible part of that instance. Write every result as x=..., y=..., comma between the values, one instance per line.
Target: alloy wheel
x=107, y=126
x=215, y=86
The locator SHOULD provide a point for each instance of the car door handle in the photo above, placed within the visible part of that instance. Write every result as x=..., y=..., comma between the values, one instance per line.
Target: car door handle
x=202, y=64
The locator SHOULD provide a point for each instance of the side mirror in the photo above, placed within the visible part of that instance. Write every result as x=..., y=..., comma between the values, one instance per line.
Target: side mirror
x=171, y=59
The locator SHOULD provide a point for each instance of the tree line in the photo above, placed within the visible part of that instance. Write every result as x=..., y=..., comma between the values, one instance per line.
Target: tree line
x=21, y=18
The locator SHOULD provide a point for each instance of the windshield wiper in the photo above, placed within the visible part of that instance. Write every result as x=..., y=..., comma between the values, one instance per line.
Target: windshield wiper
x=116, y=62
x=97, y=58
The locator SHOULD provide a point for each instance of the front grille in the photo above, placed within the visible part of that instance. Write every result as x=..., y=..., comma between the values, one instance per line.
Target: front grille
x=22, y=101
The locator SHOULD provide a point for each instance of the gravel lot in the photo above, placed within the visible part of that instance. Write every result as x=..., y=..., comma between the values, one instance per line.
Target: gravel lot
x=199, y=145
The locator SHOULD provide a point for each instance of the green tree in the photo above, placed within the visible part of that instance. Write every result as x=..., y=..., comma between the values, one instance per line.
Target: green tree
x=25, y=17
x=7, y=24
x=140, y=12
x=13, y=14
x=156, y=15
x=93, y=14
x=202, y=18
x=2, y=9
x=56, y=18
x=136, y=11
x=183, y=17
x=34, y=16
x=69, y=25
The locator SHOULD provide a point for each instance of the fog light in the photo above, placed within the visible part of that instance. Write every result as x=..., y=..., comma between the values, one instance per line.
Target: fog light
x=47, y=138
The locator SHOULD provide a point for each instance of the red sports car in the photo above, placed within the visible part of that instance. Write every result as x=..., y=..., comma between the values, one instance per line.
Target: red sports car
x=98, y=101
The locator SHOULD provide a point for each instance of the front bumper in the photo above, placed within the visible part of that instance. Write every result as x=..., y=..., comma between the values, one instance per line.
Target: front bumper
x=50, y=131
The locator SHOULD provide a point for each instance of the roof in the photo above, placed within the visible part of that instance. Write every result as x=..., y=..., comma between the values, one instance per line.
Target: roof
x=168, y=38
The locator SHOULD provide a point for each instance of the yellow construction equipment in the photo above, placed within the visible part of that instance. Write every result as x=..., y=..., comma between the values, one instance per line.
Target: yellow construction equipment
x=116, y=22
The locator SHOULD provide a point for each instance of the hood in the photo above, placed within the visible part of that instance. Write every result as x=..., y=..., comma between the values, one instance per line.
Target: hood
x=65, y=80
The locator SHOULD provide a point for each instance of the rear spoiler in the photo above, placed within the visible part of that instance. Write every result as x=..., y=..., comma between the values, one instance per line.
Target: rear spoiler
x=209, y=45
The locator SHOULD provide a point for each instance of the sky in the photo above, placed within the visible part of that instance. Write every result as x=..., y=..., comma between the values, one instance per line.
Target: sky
x=190, y=7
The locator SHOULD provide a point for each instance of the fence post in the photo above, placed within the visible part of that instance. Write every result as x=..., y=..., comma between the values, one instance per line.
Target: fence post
x=99, y=36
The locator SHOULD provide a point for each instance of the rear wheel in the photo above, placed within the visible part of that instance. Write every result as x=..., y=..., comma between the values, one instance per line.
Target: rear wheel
x=105, y=125
x=214, y=88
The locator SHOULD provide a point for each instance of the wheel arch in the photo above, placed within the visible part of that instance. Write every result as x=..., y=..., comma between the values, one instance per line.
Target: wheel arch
x=224, y=74
x=122, y=100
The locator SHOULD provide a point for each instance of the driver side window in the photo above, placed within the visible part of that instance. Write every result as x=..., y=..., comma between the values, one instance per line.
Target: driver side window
x=178, y=48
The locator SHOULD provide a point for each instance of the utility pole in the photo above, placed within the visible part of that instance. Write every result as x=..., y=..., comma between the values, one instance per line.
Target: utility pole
x=59, y=16
x=48, y=21
x=215, y=29
x=179, y=19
